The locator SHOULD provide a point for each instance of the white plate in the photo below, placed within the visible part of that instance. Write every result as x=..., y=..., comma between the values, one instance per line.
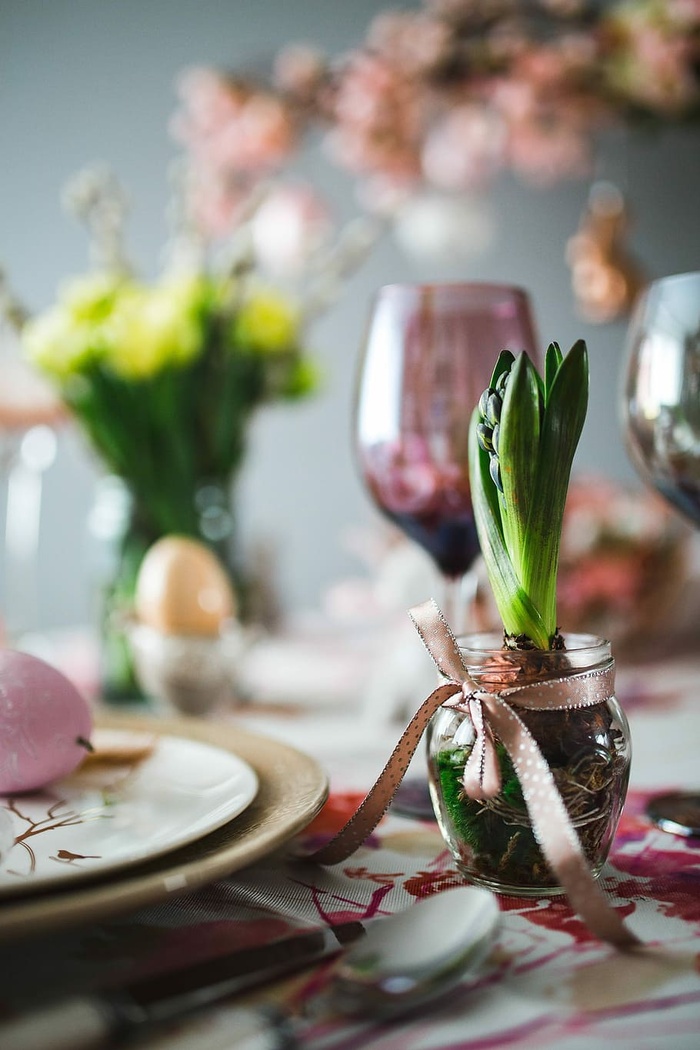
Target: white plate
x=293, y=788
x=115, y=813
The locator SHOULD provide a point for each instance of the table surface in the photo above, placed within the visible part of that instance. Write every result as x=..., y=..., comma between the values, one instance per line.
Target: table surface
x=548, y=982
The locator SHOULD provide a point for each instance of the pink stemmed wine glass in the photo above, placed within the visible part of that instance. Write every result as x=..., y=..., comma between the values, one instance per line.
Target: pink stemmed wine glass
x=428, y=354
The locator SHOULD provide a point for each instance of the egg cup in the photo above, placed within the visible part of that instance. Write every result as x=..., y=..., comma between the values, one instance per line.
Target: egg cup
x=187, y=674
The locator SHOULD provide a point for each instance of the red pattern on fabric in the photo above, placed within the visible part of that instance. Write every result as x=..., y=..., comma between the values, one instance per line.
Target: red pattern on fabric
x=337, y=810
x=659, y=866
x=427, y=883
x=555, y=913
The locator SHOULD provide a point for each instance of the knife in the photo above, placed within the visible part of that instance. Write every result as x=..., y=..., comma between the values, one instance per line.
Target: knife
x=87, y=1021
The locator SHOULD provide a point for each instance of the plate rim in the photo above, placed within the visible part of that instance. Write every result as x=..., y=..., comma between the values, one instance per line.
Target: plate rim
x=271, y=820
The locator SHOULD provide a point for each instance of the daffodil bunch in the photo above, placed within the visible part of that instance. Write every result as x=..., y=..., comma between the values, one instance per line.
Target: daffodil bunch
x=165, y=377
x=523, y=438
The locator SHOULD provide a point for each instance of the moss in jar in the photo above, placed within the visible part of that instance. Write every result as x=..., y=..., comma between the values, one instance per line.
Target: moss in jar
x=580, y=748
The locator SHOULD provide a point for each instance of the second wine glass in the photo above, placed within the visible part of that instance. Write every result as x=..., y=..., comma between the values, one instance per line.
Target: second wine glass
x=661, y=422
x=428, y=354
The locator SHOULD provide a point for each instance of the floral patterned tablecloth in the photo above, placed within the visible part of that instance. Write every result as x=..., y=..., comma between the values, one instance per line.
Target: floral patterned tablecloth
x=548, y=982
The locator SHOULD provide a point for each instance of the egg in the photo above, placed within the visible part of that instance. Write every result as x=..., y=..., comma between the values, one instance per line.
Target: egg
x=182, y=588
x=45, y=723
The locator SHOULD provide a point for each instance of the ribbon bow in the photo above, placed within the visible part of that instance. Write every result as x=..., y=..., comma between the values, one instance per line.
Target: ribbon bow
x=482, y=773
x=493, y=715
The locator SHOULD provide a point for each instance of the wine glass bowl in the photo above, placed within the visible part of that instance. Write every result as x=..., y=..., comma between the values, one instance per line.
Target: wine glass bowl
x=428, y=353
x=661, y=390
x=426, y=497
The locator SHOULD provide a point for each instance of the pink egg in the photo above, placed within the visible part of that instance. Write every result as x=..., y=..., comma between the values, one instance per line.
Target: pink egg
x=44, y=723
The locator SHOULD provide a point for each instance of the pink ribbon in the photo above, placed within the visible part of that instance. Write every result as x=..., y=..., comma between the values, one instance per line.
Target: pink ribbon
x=482, y=773
x=493, y=715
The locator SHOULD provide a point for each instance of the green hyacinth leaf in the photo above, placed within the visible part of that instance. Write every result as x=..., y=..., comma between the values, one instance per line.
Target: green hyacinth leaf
x=517, y=611
x=503, y=365
x=564, y=416
x=518, y=448
x=484, y=492
x=552, y=361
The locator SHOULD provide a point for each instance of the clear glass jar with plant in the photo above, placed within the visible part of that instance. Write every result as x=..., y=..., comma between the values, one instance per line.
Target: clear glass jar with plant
x=524, y=434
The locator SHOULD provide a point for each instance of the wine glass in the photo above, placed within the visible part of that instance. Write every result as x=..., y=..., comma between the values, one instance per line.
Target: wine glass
x=661, y=421
x=428, y=353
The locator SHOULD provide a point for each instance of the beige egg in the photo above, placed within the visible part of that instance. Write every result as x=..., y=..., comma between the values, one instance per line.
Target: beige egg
x=182, y=588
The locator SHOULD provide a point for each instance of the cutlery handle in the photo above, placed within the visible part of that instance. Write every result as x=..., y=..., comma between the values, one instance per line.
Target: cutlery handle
x=87, y=1022
x=82, y=1023
x=79, y=1023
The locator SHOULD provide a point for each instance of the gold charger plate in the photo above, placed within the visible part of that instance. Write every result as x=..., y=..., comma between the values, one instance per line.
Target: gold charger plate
x=292, y=790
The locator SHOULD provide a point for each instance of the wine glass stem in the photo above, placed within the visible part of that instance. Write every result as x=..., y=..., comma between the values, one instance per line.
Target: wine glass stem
x=459, y=597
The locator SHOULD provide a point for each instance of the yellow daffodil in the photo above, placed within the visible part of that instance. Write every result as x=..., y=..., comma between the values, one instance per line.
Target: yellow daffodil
x=72, y=335
x=267, y=321
x=89, y=299
x=59, y=346
x=154, y=328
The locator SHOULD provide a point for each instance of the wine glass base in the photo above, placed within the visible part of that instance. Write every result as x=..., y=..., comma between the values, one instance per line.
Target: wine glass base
x=677, y=812
x=412, y=799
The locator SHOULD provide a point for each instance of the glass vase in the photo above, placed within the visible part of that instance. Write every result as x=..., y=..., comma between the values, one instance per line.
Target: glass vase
x=120, y=535
x=586, y=748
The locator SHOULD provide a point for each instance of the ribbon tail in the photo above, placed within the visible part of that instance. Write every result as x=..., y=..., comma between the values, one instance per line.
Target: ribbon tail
x=554, y=831
x=438, y=639
x=377, y=801
x=482, y=774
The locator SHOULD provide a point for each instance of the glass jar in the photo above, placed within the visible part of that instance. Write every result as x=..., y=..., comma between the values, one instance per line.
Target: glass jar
x=587, y=749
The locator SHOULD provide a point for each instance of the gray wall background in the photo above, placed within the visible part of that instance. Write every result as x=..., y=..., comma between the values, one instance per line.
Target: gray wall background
x=86, y=80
